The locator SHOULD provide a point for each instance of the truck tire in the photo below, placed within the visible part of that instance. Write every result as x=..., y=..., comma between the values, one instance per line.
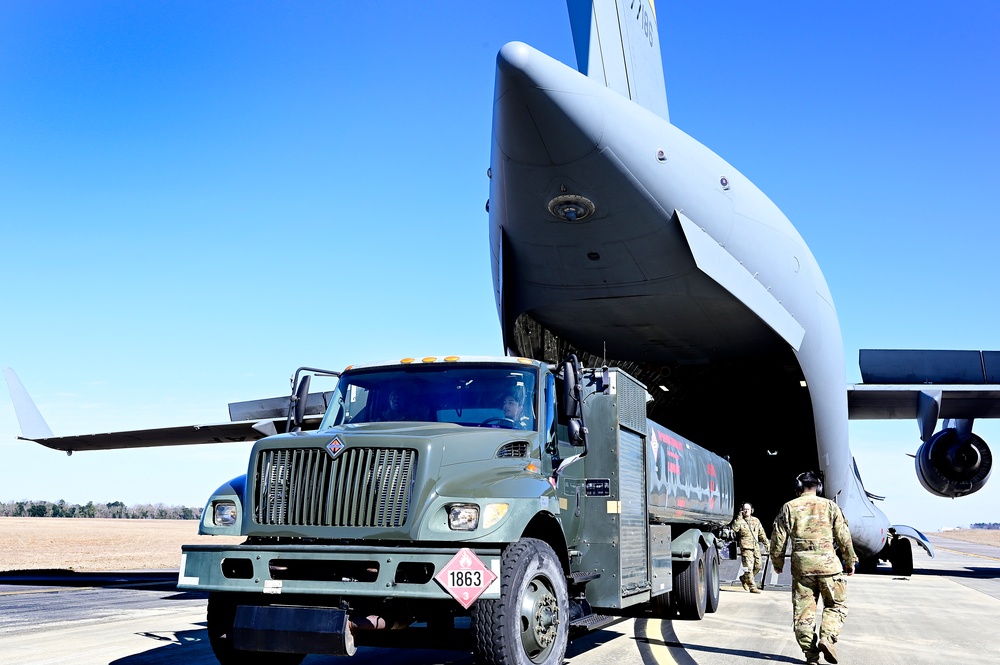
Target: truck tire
x=529, y=623
x=221, y=614
x=662, y=607
x=711, y=579
x=690, y=586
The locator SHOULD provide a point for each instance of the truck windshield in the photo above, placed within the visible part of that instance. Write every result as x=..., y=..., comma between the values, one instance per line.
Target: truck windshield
x=471, y=395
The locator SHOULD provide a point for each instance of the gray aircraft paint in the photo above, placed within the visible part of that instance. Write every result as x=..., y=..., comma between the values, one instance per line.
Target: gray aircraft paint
x=682, y=262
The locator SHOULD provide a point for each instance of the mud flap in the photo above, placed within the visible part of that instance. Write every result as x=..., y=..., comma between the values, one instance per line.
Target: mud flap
x=280, y=629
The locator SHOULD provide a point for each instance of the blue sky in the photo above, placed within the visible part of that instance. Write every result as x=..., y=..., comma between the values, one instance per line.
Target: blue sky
x=196, y=198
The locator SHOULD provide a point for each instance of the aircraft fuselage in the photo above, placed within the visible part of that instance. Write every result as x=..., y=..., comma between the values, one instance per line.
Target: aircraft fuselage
x=615, y=234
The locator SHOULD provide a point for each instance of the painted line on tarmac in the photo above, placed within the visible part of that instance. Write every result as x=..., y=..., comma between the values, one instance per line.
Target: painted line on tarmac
x=58, y=590
x=665, y=649
x=981, y=556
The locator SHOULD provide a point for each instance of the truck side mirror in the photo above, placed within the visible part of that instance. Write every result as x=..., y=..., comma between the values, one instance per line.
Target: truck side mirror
x=575, y=432
x=301, y=397
x=572, y=401
x=571, y=388
x=572, y=411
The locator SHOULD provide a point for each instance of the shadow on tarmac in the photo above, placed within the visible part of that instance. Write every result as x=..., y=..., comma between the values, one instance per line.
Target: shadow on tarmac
x=189, y=646
x=681, y=651
x=969, y=572
x=161, y=580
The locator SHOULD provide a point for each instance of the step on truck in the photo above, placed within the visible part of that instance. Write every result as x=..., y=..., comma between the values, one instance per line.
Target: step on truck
x=501, y=501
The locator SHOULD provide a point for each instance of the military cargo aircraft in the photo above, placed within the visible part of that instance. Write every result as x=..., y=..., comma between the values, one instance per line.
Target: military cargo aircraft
x=616, y=236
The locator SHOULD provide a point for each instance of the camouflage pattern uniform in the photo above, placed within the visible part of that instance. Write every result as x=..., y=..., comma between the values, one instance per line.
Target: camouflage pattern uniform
x=813, y=524
x=748, y=531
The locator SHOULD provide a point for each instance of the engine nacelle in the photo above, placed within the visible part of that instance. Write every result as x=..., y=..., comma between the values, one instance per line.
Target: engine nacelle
x=951, y=467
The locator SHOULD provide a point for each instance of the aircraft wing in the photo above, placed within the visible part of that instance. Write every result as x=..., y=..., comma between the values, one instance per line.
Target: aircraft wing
x=926, y=386
x=250, y=420
x=167, y=436
x=896, y=402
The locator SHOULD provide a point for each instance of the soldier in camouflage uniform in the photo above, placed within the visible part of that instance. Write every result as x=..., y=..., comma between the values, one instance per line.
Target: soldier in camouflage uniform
x=813, y=525
x=748, y=531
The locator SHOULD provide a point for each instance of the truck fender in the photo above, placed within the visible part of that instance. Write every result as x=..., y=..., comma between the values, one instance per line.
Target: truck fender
x=683, y=546
x=235, y=487
x=235, y=492
x=544, y=526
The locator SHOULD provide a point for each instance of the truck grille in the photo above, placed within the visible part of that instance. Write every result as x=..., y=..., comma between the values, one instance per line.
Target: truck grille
x=363, y=487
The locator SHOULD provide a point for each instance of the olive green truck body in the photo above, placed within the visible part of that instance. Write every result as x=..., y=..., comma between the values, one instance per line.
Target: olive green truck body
x=574, y=507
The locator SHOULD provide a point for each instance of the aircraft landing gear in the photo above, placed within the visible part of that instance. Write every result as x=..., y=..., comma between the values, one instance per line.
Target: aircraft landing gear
x=867, y=565
x=901, y=557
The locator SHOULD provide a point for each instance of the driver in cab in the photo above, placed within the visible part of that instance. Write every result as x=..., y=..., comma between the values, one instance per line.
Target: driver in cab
x=396, y=409
x=513, y=410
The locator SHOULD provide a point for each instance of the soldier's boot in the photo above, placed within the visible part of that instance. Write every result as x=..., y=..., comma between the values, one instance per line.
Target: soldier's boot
x=747, y=583
x=829, y=653
x=812, y=658
x=753, y=588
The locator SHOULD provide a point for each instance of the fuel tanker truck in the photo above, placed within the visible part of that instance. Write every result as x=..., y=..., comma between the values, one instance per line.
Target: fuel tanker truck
x=503, y=501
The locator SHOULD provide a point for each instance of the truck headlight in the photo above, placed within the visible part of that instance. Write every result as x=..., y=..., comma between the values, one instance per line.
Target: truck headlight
x=494, y=513
x=463, y=517
x=225, y=513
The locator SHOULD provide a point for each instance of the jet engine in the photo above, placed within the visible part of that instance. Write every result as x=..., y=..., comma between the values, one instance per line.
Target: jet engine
x=953, y=463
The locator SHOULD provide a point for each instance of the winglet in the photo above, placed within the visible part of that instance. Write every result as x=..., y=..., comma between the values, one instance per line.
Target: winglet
x=617, y=43
x=33, y=426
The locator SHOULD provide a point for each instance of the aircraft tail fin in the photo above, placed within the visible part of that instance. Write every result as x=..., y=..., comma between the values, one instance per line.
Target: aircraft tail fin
x=33, y=426
x=617, y=43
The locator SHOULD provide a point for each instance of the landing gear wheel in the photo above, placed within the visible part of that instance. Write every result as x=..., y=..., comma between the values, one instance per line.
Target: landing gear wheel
x=221, y=615
x=505, y=422
x=868, y=565
x=711, y=579
x=689, y=583
x=901, y=557
x=529, y=623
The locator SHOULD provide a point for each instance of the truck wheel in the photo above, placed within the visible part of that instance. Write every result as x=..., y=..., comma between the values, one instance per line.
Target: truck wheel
x=529, y=623
x=661, y=606
x=711, y=579
x=690, y=586
x=901, y=557
x=221, y=615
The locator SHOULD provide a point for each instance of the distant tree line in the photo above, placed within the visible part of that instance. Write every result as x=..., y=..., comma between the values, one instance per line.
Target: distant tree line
x=113, y=510
x=986, y=525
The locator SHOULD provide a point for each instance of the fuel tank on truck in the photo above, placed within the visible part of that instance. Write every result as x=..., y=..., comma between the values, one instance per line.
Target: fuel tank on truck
x=687, y=484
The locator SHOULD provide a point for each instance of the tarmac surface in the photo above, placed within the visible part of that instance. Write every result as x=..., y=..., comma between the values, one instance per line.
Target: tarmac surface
x=948, y=611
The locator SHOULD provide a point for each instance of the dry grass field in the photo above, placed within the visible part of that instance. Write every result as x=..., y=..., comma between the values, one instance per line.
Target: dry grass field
x=981, y=536
x=89, y=545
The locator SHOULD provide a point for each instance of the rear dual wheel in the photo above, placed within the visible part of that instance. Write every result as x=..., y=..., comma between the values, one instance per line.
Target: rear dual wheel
x=711, y=579
x=696, y=588
x=691, y=587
